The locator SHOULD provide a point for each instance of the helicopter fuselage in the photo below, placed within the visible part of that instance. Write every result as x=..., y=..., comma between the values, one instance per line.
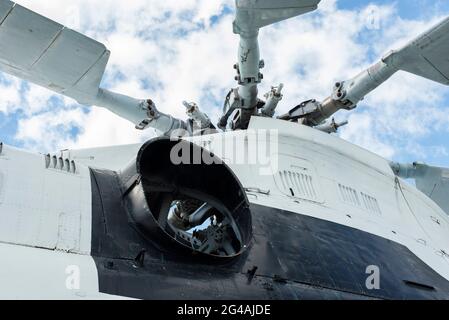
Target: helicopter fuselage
x=329, y=220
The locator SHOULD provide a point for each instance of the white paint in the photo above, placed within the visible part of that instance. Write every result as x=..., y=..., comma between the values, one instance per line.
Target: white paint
x=339, y=162
x=113, y=158
x=73, y=280
x=46, y=208
x=31, y=273
x=51, y=209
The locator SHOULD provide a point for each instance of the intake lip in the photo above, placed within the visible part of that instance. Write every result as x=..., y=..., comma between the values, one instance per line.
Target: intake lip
x=161, y=182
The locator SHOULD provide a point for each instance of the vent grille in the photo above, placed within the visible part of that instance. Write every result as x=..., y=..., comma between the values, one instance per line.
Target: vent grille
x=297, y=184
x=349, y=195
x=61, y=164
x=370, y=203
x=359, y=199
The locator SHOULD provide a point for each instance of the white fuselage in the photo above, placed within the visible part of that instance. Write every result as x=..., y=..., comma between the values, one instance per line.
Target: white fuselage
x=46, y=210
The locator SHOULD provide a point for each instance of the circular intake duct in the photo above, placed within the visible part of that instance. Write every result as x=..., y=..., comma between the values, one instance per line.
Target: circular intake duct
x=191, y=198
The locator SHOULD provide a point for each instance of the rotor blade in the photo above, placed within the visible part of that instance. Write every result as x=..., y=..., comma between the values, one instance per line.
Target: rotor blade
x=46, y=53
x=435, y=184
x=426, y=56
x=432, y=181
x=255, y=14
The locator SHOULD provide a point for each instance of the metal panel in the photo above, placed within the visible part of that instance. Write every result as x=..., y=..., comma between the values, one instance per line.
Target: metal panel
x=371, y=203
x=428, y=55
x=2, y=186
x=24, y=37
x=260, y=13
x=87, y=86
x=41, y=207
x=434, y=182
x=5, y=8
x=42, y=51
x=349, y=195
x=69, y=57
x=288, y=249
x=297, y=178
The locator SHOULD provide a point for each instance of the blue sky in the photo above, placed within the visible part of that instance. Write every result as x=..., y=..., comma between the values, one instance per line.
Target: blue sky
x=408, y=9
x=185, y=51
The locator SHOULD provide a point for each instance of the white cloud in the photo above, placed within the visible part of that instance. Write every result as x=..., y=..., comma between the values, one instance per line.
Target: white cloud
x=170, y=51
x=101, y=125
x=9, y=94
x=362, y=132
x=42, y=132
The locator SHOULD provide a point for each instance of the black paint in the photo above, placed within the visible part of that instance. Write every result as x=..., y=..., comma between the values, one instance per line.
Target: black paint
x=291, y=256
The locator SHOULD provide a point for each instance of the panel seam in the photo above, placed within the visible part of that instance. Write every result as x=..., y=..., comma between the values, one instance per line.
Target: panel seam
x=7, y=15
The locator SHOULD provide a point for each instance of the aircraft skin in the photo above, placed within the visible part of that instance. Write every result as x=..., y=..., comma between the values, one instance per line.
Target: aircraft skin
x=317, y=218
x=316, y=244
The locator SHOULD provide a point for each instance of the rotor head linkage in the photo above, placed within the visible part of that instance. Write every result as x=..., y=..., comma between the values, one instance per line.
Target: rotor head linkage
x=199, y=120
x=273, y=97
x=332, y=127
x=409, y=170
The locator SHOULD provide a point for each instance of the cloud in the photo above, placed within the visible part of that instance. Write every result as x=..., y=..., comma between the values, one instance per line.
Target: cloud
x=362, y=132
x=9, y=95
x=48, y=129
x=172, y=51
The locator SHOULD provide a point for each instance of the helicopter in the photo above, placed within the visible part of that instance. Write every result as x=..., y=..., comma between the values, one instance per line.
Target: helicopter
x=258, y=206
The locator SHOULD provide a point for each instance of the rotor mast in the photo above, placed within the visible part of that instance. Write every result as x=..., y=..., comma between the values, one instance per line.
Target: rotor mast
x=251, y=16
x=248, y=67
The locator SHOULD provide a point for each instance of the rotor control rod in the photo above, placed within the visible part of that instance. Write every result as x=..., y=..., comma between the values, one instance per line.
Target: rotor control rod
x=332, y=127
x=200, y=119
x=273, y=98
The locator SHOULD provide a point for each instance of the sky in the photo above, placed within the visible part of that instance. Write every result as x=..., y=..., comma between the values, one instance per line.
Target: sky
x=174, y=50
